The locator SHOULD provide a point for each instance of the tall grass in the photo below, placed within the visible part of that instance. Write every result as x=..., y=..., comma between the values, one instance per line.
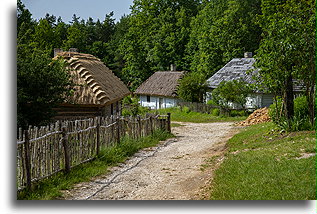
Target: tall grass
x=50, y=189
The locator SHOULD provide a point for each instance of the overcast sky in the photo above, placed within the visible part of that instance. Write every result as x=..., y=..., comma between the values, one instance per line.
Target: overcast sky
x=96, y=9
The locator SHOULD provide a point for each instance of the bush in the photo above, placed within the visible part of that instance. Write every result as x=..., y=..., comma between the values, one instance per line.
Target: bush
x=231, y=92
x=185, y=109
x=299, y=122
x=131, y=107
x=215, y=112
x=235, y=113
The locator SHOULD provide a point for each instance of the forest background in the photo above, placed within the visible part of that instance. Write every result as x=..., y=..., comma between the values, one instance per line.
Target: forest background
x=199, y=36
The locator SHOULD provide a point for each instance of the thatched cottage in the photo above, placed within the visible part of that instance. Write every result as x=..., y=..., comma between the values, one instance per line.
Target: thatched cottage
x=240, y=69
x=97, y=91
x=160, y=90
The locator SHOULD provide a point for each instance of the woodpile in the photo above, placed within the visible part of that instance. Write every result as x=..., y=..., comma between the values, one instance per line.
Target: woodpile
x=258, y=116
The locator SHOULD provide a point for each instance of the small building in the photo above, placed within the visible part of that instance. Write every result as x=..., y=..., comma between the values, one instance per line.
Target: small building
x=243, y=69
x=240, y=69
x=97, y=91
x=160, y=90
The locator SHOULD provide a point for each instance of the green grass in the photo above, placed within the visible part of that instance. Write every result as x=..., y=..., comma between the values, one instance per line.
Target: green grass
x=261, y=164
x=176, y=125
x=50, y=189
x=188, y=116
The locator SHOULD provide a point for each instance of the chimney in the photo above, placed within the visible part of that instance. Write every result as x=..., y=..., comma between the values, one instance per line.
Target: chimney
x=173, y=67
x=248, y=55
x=57, y=50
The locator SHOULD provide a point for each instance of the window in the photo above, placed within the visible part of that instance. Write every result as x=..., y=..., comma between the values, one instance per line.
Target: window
x=148, y=99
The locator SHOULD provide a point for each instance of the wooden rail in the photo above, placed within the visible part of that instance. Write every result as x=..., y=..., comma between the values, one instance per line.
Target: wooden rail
x=45, y=151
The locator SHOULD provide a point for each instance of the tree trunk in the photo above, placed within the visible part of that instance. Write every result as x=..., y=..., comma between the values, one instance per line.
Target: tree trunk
x=289, y=97
x=311, y=104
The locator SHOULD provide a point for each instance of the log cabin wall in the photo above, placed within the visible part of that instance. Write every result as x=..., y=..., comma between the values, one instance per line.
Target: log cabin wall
x=75, y=111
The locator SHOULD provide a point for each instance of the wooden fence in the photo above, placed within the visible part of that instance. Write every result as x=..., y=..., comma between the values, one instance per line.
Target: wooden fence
x=197, y=107
x=45, y=151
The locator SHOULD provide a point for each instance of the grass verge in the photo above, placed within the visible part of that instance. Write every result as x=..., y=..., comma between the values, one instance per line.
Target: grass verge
x=50, y=189
x=262, y=164
x=195, y=117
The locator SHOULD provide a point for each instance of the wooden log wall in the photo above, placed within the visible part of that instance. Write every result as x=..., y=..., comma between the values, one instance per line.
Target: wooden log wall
x=47, y=150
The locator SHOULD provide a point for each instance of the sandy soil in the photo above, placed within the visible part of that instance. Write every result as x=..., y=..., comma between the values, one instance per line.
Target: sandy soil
x=176, y=169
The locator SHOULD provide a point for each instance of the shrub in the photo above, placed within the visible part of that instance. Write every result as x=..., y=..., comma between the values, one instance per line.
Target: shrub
x=299, y=122
x=215, y=112
x=231, y=92
x=185, y=109
x=131, y=107
x=235, y=113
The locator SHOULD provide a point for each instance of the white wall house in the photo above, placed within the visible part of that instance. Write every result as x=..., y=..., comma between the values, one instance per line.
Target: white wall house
x=158, y=102
x=160, y=90
x=240, y=69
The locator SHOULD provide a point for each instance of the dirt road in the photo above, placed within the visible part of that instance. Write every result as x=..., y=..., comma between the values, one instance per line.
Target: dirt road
x=174, y=170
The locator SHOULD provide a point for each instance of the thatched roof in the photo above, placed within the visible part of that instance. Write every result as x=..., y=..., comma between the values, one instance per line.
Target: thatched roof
x=95, y=82
x=161, y=83
x=236, y=69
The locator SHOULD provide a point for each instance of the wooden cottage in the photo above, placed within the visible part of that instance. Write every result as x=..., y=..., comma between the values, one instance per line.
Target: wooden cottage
x=243, y=69
x=97, y=91
x=160, y=90
x=240, y=69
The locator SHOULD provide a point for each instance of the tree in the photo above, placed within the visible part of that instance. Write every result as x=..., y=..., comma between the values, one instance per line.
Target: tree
x=231, y=92
x=287, y=50
x=192, y=87
x=41, y=85
x=157, y=36
x=222, y=30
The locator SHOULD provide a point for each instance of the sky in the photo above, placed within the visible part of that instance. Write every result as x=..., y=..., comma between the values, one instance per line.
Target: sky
x=96, y=9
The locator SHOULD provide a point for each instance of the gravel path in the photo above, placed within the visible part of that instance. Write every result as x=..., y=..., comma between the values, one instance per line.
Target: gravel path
x=170, y=171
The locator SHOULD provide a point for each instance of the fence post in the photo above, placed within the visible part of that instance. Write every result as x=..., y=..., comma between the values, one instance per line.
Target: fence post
x=118, y=129
x=140, y=126
x=151, y=125
x=169, y=122
x=27, y=158
x=98, y=136
x=66, y=149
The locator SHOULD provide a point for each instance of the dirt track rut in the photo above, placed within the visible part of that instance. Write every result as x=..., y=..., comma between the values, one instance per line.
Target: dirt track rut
x=170, y=171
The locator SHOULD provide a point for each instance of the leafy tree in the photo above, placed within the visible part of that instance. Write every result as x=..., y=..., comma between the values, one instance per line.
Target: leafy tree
x=157, y=36
x=222, y=30
x=231, y=92
x=192, y=87
x=42, y=84
x=77, y=36
x=287, y=50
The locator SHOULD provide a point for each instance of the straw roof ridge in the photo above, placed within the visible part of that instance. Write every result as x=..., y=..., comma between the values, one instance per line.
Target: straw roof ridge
x=161, y=83
x=104, y=85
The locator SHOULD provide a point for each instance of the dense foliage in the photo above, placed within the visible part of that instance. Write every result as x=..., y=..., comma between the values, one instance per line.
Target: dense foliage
x=42, y=82
x=287, y=50
x=199, y=36
x=231, y=93
x=301, y=119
